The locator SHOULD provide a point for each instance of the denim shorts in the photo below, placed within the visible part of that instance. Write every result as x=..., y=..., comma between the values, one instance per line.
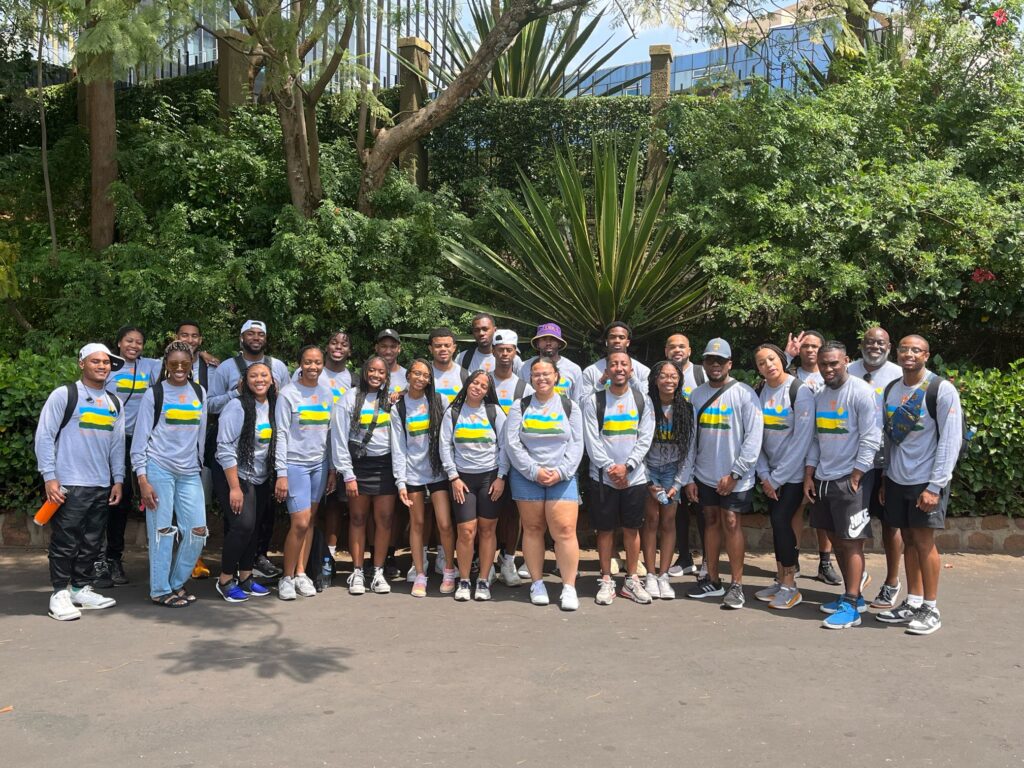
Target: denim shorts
x=662, y=476
x=524, y=489
x=305, y=486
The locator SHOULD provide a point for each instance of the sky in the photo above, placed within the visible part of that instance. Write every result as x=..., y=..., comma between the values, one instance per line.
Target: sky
x=637, y=48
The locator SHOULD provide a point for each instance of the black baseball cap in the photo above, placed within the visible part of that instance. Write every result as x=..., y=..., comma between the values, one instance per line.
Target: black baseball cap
x=389, y=333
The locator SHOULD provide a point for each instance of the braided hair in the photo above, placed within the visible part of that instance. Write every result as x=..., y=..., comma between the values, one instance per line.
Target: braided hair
x=435, y=410
x=174, y=346
x=682, y=411
x=363, y=388
x=247, y=437
x=490, y=397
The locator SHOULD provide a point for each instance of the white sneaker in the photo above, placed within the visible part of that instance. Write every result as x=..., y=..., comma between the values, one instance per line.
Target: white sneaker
x=88, y=599
x=539, y=593
x=440, y=562
x=652, y=585
x=411, y=574
x=304, y=585
x=490, y=576
x=524, y=572
x=605, y=591
x=569, y=601
x=380, y=583
x=356, y=582
x=641, y=569
x=665, y=588
x=865, y=579
x=462, y=592
x=678, y=570
x=509, y=576
x=286, y=588
x=61, y=607
x=615, y=566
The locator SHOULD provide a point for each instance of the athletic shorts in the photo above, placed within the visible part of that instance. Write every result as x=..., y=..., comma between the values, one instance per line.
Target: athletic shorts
x=876, y=508
x=737, y=501
x=525, y=489
x=901, y=507
x=842, y=510
x=612, y=508
x=305, y=486
x=441, y=486
x=478, y=498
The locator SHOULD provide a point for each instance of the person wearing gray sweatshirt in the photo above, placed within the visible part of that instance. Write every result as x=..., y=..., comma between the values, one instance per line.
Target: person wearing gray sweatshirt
x=839, y=475
x=919, y=463
x=79, y=445
x=303, y=413
x=720, y=470
x=617, y=337
x=618, y=429
x=544, y=440
x=167, y=456
x=472, y=449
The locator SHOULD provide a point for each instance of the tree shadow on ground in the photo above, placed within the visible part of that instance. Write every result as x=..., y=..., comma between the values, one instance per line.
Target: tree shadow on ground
x=270, y=657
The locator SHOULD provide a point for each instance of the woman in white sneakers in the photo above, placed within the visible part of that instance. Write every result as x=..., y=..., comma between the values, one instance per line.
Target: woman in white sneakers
x=303, y=412
x=544, y=440
x=418, y=470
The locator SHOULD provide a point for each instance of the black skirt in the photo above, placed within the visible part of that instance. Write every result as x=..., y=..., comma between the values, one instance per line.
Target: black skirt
x=375, y=475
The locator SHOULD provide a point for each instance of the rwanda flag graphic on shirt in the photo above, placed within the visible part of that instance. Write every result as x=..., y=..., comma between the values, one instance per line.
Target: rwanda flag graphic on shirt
x=264, y=433
x=716, y=416
x=540, y=423
x=184, y=413
x=418, y=424
x=473, y=429
x=563, y=386
x=366, y=417
x=127, y=381
x=834, y=422
x=663, y=429
x=314, y=414
x=621, y=422
x=776, y=416
x=98, y=416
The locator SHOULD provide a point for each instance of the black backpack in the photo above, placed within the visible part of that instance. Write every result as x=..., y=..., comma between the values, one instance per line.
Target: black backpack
x=318, y=555
x=566, y=406
x=698, y=374
x=794, y=387
x=158, y=407
x=492, y=417
x=71, y=389
x=243, y=367
x=602, y=403
x=931, y=399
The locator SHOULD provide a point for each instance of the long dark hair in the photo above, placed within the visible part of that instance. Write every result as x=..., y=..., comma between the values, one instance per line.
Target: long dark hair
x=490, y=397
x=682, y=411
x=174, y=346
x=247, y=438
x=778, y=353
x=435, y=410
x=363, y=388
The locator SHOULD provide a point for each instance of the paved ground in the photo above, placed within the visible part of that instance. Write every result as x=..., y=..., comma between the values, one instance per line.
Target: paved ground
x=393, y=681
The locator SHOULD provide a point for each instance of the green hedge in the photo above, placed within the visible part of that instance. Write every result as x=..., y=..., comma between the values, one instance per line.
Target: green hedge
x=989, y=481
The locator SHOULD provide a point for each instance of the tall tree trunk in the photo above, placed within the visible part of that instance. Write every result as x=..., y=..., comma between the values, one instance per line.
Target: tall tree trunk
x=292, y=114
x=316, y=188
x=44, y=150
x=99, y=96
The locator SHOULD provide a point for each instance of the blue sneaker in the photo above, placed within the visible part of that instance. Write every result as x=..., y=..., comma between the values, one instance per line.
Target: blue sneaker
x=844, y=617
x=253, y=588
x=833, y=606
x=232, y=592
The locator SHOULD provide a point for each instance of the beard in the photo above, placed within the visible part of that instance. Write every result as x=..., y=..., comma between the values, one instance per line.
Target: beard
x=875, y=359
x=254, y=348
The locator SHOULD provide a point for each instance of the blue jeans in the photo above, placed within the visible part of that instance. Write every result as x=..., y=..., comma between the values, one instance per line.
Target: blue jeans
x=663, y=476
x=525, y=489
x=181, y=507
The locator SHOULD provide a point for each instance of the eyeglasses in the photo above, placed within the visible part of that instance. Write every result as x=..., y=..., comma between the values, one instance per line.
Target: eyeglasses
x=182, y=366
x=910, y=350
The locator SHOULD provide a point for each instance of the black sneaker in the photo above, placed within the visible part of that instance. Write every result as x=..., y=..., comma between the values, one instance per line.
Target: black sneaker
x=102, y=580
x=707, y=588
x=391, y=571
x=264, y=569
x=827, y=573
x=117, y=573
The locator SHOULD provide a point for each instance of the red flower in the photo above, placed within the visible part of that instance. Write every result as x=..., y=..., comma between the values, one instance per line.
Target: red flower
x=982, y=275
x=1000, y=17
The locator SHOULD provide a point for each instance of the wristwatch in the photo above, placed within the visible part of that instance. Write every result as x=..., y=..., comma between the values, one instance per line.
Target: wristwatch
x=735, y=476
x=630, y=468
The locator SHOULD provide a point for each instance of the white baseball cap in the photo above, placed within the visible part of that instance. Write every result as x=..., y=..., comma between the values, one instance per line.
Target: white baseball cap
x=116, y=363
x=249, y=325
x=505, y=336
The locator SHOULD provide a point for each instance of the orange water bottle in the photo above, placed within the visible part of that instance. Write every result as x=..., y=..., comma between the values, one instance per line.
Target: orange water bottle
x=45, y=512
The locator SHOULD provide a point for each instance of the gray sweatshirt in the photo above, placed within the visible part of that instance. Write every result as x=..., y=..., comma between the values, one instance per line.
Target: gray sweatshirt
x=544, y=437
x=472, y=445
x=846, y=434
x=338, y=382
x=303, y=422
x=399, y=380
x=230, y=429
x=130, y=384
x=410, y=445
x=880, y=379
x=788, y=431
x=473, y=359
x=593, y=373
x=625, y=437
x=664, y=450
x=90, y=449
x=926, y=455
x=175, y=444
x=506, y=389
x=448, y=383
x=570, y=379
x=342, y=432
x=689, y=379
x=224, y=381
x=729, y=434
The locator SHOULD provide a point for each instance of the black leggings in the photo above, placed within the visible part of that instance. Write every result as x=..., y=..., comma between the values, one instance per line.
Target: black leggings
x=117, y=519
x=781, y=512
x=478, y=498
x=241, y=531
x=683, y=530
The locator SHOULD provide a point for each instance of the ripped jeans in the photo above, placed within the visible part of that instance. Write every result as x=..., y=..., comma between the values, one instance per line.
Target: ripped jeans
x=180, y=515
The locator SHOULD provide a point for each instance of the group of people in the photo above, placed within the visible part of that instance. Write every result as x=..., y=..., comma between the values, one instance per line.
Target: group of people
x=487, y=447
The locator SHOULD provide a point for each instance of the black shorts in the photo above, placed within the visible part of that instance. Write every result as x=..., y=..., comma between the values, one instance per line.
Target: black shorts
x=875, y=506
x=901, y=507
x=737, y=501
x=842, y=510
x=374, y=476
x=478, y=498
x=612, y=508
x=441, y=486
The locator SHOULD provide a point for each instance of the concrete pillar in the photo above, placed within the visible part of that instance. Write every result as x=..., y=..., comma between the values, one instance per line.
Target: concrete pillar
x=232, y=72
x=661, y=89
x=411, y=97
